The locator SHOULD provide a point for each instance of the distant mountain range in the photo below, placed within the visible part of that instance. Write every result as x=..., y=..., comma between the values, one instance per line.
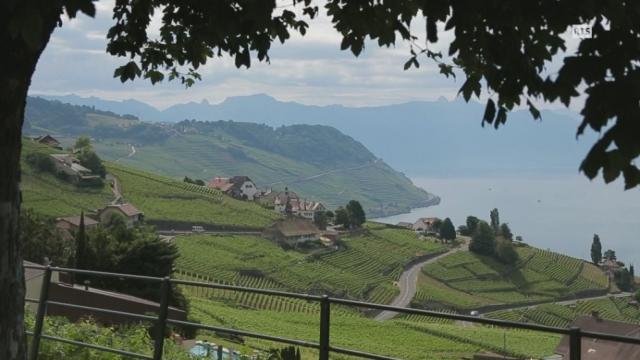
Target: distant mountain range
x=426, y=138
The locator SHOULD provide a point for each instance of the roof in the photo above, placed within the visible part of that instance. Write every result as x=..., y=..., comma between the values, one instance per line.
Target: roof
x=79, y=168
x=226, y=184
x=47, y=139
x=75, y=220
x=593, y=349
x=282, y=196
x=127, y=209
x=305, y=205
x=296, y=227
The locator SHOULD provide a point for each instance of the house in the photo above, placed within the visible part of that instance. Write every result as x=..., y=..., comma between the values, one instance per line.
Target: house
x=293, y=231
x=425, y=224
x=239, y=187
x=84, y=295
x=70, y=166
x=72, y=223
x=305, y=208
x=48, y=140
x=280, y=199
x=592, y=349
x=131, y=215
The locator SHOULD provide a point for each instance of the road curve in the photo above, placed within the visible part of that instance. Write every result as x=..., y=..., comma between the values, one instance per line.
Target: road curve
x=408, y=282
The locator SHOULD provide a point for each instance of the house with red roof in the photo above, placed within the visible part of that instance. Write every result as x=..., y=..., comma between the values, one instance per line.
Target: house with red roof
x=239, y=187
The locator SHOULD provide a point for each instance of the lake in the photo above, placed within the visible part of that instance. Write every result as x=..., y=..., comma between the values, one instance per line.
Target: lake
x=558, y=213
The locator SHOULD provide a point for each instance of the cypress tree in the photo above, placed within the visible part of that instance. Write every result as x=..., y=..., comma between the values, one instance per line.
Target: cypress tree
x=596, y=249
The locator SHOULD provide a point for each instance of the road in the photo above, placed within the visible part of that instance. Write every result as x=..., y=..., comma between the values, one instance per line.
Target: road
x=115, y=189
x=568, y=302
x=408, y=284
x=207, y=232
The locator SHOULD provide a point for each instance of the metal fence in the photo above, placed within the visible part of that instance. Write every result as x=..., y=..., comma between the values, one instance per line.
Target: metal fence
x=323, y=345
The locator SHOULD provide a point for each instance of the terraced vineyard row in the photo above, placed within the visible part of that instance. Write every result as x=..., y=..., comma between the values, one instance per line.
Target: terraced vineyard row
x=540, y=275
x=165, y=199
x=400, y=338
x=618, y=309
x=365, y=269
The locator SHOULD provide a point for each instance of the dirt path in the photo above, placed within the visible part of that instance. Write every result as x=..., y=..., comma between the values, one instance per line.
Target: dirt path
x=408, y=283
x=115, y=189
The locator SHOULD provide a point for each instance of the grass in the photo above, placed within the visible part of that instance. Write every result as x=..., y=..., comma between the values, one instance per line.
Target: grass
x=617, y=309
x=365, y=268
x=465, y=280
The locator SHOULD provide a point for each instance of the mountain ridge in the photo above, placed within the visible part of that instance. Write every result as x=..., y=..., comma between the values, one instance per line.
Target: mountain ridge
x=438, y=138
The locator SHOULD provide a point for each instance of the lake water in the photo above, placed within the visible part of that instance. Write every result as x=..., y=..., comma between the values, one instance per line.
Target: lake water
x=557, y=213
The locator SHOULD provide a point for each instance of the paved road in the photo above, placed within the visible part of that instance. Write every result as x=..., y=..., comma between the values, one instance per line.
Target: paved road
x=407, y=283
x=212, y=232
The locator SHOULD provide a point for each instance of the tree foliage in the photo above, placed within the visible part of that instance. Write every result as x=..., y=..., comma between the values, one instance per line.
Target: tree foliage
x=596, y=249
x=342, y=217
x=483, y=240
x=505, y=231
x=40, y=238
x=356, y=213
x=495, y=220
x=447, y=230
x=609, y=255
x=505, y=252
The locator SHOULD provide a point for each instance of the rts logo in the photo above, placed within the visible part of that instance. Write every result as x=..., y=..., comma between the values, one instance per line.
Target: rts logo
x=581, y=31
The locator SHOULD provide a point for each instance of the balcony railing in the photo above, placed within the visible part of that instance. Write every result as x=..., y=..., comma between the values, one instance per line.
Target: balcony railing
x=323, y=345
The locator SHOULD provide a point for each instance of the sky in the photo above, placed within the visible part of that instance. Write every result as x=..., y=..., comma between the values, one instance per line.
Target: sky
x=310, y=70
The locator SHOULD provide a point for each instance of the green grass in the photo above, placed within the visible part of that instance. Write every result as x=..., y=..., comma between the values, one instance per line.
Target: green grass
x=618, y=309
x=365, y=268
x=403, y=338
x=465, y=280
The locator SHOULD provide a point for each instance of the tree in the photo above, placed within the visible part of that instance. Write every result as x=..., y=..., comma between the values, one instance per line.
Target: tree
x=505, y=55
x=632, y=272
x=83, y=143
x=320, y=219
x=483, y=240
x=40, y=238
x=342, y=217
x=596, y=249
x=81, y=244
x=495, y=220
x=356, y=214
x=89, y=159
x=447, y=231
x=472, y=223
x=610, y=255
x=623, y=279
x=505, y=231
x=505, y=252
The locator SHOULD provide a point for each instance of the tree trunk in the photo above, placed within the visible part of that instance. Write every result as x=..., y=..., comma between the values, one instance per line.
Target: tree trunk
x=25, y=28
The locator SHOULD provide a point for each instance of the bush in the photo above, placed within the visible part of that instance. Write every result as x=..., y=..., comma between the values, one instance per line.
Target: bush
x=41, y=162
x=505, y=252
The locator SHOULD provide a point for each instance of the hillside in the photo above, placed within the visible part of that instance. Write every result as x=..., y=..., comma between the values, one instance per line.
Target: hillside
x=318, y=162
x=161, y=199
x=364, y=268
x=465, y=280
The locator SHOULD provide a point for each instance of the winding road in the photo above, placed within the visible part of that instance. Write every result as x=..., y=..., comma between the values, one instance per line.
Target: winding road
x=408, y=283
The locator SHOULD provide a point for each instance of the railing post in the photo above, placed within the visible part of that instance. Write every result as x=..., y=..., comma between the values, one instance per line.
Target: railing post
x=325, y=321
x=575, y=342
x=42, y=310
x=220, y=352
x=161, y=325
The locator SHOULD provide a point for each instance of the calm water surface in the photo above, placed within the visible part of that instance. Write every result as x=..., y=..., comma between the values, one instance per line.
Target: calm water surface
x=558, y=213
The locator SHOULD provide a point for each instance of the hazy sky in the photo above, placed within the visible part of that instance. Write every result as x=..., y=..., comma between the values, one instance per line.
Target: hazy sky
x=309, y=69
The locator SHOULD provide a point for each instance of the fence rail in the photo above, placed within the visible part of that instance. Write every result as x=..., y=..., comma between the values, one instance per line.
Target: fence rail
x=323, y=345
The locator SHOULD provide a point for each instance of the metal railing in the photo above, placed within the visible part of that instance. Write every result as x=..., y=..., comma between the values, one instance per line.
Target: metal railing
x=323, y=345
